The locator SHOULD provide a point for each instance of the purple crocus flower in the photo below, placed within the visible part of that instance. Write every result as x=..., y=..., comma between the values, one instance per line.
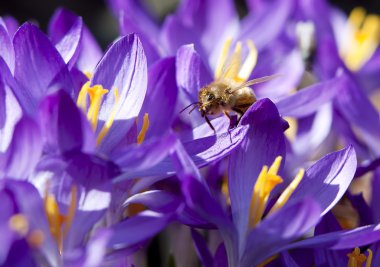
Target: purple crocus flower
x=246, y=246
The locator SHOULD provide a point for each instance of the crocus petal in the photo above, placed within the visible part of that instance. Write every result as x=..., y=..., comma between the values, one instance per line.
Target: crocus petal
x=134, y=18
x=192, y=73
x=328, y=179
x=2, y=104
x=368, y=74
x=35, y=214
x=200, y=200
x=24, y=150
x=261, y=28
x=137, y=229
x=204, y=17
x=91, y=54
x=357, y=237
x=12, y=24
x=161, y=98
x=202, y=151
x=354, y=106
x=278, y=229
x=65, y=31
x=12, y=114
x=262, y=144
x=140, y=157
x=39, y=67
x=6, y=48
x=63, y=125
x=201, y=248
x=175, y=33
x=155, y=200
x=287, y=260
x=122, y=68
x=310, y=99
x=375, y=196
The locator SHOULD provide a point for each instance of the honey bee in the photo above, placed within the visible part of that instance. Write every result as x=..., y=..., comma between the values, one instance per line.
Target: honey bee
x=230, y=91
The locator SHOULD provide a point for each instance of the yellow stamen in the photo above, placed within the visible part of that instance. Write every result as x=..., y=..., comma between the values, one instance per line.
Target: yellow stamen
x=266, y=182
x=291, y=132
x=288, y=192
x=356, y=259
x=357, y=16
x=267, y=261
x=82, y=97
x=19, y=224
x=222, y=58
x=71, y=212
x=369, y=258
x=249, y=63
x=60, y=224
x=144, y=129
x=96, y=94
x=54, y=218
x=88, y=74
x=365, y=39
x=234, y=64
x=36, y=238
x=109, y=122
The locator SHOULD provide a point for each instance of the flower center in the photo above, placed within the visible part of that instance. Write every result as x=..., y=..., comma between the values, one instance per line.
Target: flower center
x=95, y=95
x=356, y=259
x=230, y=67
x=266, y=182
x=364, y=40
x=60, y=224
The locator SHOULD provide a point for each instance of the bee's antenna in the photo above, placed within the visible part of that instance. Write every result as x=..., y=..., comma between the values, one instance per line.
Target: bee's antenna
x=193, y=109
x=195, y=103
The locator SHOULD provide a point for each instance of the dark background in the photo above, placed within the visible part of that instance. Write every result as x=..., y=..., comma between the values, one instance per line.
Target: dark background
x=103, y=25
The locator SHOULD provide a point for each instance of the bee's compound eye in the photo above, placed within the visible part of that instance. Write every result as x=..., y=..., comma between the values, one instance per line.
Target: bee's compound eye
x=210, y=97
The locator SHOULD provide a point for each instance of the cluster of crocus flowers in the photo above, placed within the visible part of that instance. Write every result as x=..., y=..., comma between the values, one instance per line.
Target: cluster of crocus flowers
x=99, y=167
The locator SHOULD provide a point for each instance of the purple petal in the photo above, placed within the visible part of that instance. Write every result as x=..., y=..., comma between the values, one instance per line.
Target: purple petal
x=261, y=28
x=65, y=31
x=328, y=179
x=368, y=74
x=220, y=258
x=192, y=73
x=122, y=67
x=201, y=249
x=175, y=34
x=202, y=151
x=90, y=54
x=309, y=100
x=24, y=150
x=12, y=24
x=3, y=115
x=39, y=67
x=287, y=260
x=149, y=153
x=375, y=196
x=155, y=200
x=354, y=106
x=262, y=144
x=204, y=18
x=12, y=114
x=278, y=229
x=161, y=98
x=134, y=18
x=6, y=48
x=137, y=229
x=357, y=237
x=63, y=125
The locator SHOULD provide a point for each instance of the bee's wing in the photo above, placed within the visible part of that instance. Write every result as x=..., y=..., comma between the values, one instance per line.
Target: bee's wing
x=255, y=81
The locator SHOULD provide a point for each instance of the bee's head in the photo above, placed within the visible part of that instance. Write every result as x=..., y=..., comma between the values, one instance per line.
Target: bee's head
x=207, y=101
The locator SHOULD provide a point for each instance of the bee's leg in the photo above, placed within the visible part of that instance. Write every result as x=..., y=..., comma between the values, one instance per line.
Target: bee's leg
x=240, y=114
x=209, y=124
x=231, y=124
